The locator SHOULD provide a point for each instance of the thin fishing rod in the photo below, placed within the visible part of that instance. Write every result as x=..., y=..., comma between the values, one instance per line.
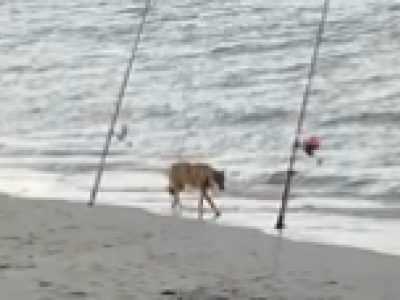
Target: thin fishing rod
x=280, y=224
x=118, y=103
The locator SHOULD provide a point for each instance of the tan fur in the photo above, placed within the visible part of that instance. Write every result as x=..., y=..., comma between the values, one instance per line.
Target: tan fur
x=195, y=175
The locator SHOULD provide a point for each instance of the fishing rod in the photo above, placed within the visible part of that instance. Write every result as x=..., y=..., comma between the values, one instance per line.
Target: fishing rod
x=118, y=103
x=280, y=224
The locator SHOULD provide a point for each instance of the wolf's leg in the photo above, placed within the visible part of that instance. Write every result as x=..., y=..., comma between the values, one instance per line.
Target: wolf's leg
x=206, y=186
x=175, y=198
x=174, y=190
x=212, y=204
x=200, y=206
x=175, y=201
x=176, y=206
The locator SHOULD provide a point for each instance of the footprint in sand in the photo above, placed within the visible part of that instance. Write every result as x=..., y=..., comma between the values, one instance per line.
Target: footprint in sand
x=4, y=266
x=205, y=293
x=169, y=292
x=45, y=284
x=78, y=294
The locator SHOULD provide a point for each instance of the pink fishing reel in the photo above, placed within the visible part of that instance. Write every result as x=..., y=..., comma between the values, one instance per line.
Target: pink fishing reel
x=310, y=145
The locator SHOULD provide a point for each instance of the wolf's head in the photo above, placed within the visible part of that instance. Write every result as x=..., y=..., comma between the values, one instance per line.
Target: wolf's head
x=219, y=178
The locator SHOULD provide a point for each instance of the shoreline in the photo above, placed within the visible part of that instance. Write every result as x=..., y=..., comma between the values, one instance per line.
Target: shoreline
x=67, y=250
x=303, y=225
x=207, y=221
x=298, y=229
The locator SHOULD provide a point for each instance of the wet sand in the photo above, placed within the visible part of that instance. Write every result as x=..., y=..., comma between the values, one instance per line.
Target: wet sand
x=63, y=250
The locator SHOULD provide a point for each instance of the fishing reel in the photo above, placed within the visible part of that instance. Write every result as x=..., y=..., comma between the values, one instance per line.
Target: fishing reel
x=122, y=135
x=309, y=146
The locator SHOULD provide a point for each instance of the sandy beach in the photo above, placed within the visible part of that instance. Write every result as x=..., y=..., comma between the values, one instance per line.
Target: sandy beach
x=62, y=250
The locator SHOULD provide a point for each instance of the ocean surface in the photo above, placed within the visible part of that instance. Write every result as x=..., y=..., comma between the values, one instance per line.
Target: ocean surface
x=213, y=81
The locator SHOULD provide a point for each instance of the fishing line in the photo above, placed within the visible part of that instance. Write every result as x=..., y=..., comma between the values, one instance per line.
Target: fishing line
x=118, y=103
x=280, y=224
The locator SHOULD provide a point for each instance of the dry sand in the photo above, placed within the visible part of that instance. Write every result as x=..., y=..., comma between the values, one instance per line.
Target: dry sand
x=62, y=250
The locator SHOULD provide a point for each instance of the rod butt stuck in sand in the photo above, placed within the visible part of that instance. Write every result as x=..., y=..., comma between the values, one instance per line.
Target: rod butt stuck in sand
x=114, y=118
x=280, y=224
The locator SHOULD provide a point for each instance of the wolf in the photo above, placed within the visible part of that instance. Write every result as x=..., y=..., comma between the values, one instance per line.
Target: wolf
x=196, y=175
